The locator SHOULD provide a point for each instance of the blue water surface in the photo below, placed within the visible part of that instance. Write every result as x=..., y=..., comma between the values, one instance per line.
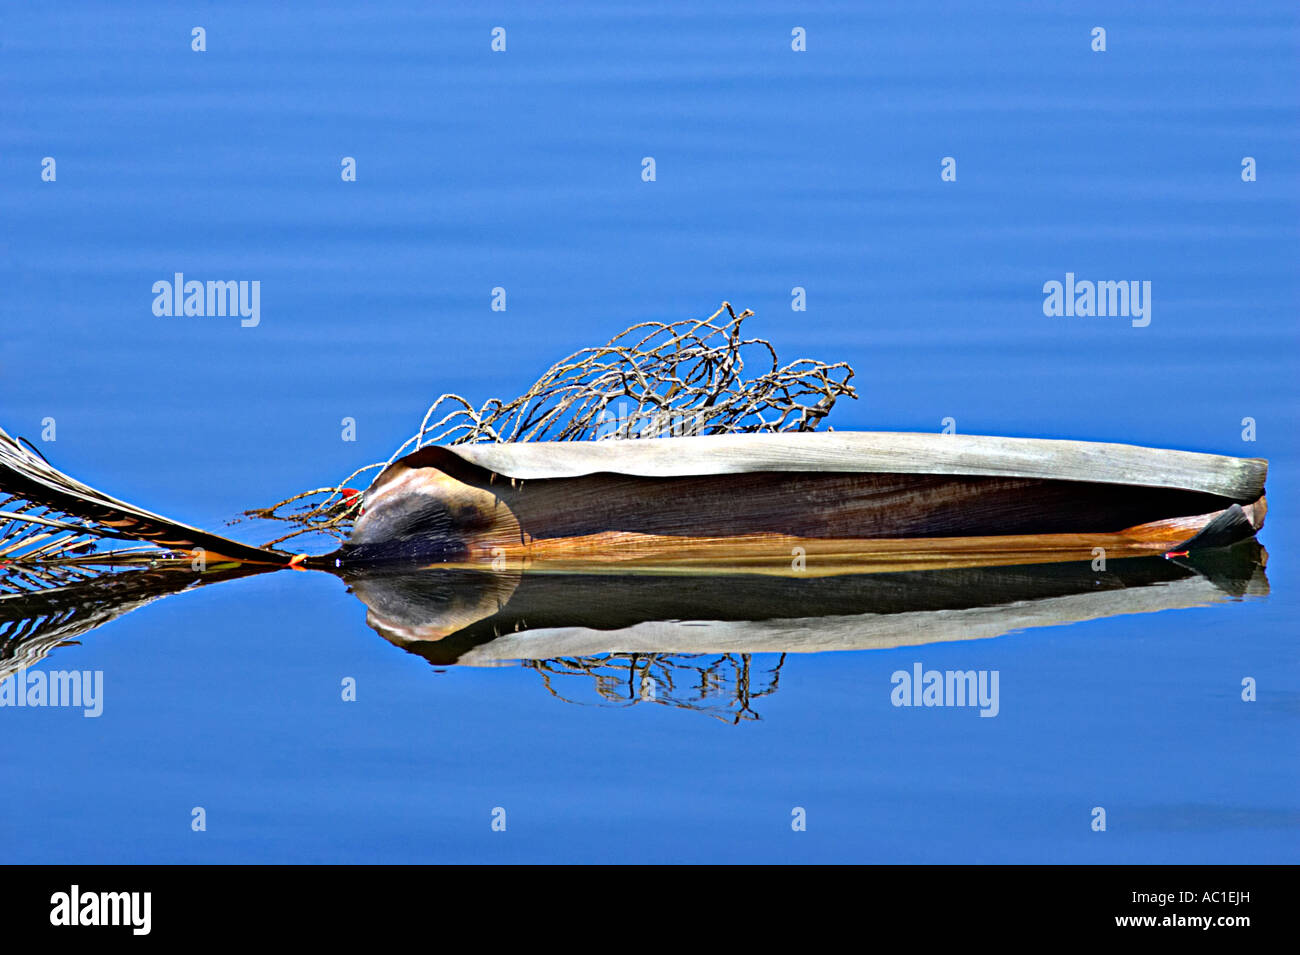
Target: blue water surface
x=775, y=169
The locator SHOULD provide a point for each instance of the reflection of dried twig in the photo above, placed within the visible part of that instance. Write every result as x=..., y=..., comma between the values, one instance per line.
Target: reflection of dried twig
x=653, y=380
x=719, y=686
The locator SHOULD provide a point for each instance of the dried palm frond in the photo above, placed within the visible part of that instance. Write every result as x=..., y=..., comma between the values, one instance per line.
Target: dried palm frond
x=47, y=518
x=652, y=380
x=655, y=379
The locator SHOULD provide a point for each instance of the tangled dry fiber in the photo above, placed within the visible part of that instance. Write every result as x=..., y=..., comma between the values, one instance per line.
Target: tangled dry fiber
x=653, y=380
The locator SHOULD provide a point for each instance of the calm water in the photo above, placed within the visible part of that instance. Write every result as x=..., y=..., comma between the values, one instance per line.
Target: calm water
x=522, y=170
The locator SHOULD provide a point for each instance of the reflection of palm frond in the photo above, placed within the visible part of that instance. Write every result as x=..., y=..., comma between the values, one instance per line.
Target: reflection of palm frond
x=19, y=577
x=720, y=686
x=47, y=606
x=652, y=380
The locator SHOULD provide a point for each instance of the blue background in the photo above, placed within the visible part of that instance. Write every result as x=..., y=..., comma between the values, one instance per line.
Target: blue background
x=775, y=169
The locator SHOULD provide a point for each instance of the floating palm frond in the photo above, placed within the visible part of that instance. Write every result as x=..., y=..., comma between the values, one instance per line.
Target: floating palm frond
x=48, y=518
x=656, y=379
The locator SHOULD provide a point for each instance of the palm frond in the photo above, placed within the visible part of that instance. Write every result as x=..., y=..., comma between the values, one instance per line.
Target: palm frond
x=48, y=516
